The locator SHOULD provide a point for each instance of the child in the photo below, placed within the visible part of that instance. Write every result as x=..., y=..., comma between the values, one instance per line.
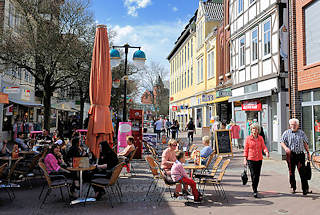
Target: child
x=178, y=174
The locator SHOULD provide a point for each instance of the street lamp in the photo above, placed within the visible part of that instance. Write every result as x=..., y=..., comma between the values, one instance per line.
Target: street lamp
x=139, y=59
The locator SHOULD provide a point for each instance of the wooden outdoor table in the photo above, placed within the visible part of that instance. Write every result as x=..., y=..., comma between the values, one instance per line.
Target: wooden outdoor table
x=9, y=159
x=193, y=167
x=81, y=198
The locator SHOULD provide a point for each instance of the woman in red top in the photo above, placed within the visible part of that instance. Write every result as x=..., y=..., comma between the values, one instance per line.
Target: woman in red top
x=253, y=155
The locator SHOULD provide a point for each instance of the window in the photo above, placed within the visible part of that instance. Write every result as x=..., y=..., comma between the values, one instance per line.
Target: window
x=312, y=32
x=242, y=51
x=191, y=49
x=201, y=73
x=188, y=51
x=210, y=65
x=267, y=38
x=26, y=75
x=198, y=69
x=182, y=81
x=188, y=77
x=191, y=79
x=11, y=15
x=240, y=6
x=19, y=73
x=185, y=55
x=185, y=79
x=254, y=45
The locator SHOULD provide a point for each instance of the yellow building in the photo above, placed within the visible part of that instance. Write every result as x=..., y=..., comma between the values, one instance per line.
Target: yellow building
x=193, y=67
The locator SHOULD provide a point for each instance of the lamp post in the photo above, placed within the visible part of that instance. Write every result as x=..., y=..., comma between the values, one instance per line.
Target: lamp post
x=139, y=59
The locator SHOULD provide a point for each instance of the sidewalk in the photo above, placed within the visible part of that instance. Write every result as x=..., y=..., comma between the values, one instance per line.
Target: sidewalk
x=275, y=196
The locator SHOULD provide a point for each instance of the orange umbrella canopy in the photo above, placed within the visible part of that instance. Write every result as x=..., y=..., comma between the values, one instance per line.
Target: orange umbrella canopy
x=100, y=123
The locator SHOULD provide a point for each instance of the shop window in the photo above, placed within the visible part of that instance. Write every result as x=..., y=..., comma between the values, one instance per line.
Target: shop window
x=199, y=118
x=307, y=124
x=316, y=127
x=306, y=96
x=316, y=95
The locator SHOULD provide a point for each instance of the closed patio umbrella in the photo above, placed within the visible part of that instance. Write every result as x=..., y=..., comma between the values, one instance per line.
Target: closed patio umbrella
x=100, y=123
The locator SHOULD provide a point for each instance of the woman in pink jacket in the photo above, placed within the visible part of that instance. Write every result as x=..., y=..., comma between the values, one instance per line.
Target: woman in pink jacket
x=253, y=155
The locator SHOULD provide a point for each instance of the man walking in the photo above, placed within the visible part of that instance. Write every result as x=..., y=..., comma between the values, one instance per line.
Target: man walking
x=294, y=141
x=159, y=127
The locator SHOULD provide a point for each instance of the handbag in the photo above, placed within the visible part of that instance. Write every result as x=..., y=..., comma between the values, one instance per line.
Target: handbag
x=308, y=171
x=244, y=176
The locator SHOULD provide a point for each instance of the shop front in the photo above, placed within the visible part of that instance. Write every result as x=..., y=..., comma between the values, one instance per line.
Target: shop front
x=22, y=114
x=267, y=107
x=223, y=107
x=311, y=117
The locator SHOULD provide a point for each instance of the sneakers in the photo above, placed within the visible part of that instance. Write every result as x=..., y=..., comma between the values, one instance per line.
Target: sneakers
x=255, y=195
x=293, y=191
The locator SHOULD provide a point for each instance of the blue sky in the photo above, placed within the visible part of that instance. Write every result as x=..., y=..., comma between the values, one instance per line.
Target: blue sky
x=153, y=24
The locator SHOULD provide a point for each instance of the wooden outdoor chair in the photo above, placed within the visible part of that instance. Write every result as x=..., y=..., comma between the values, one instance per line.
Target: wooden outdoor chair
x=128, y=162
x=208, y=174
x=155, y=173
x=54, y=182
x=3, y=185
x=217, y=182
x=109, y=184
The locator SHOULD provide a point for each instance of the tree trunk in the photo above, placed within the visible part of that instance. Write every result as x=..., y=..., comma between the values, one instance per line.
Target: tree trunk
x=47, y=107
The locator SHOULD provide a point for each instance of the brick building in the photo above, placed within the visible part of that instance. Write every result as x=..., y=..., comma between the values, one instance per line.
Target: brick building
x=305, y=62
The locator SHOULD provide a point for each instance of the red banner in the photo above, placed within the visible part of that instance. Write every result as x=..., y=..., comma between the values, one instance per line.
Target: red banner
x=251, y=106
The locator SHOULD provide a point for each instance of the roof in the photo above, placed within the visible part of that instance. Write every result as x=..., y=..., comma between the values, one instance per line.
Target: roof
x=213, y=10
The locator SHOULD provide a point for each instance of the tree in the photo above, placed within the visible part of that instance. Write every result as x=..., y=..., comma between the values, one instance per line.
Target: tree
x=43, y=43
x=152, y=81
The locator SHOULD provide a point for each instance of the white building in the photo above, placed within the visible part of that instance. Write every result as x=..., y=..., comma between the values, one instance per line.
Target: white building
x=258, y=44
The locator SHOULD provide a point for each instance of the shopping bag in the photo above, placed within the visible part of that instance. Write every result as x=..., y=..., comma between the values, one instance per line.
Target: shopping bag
x=244, y=176
x=308, y=171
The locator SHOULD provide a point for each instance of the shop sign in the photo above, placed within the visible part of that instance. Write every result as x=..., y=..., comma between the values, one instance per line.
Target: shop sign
x=174, y=108
x=182, y=107
x=223, y=93
x=171, y=98
x=251, y=106
x=11, y=90
x=207, y=98
x=9, y=110
x=26, y=95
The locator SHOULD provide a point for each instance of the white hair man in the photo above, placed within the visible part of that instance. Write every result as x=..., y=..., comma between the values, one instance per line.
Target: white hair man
x=294, y=141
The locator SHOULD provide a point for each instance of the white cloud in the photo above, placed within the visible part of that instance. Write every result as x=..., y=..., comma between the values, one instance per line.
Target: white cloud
x=156, y=40
x=134, y=5
x=175, y=9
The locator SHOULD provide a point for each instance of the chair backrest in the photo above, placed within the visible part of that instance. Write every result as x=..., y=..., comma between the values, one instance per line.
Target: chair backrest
x=216, y=165
x=13, y=167
x=45, y=172
x=2, y=167
x=152, y=165
x=116, y=173
x=154, y=153
x=132, y=154
x=210, y=159
x=34, y=161
x=223, y=170
x=192, y=147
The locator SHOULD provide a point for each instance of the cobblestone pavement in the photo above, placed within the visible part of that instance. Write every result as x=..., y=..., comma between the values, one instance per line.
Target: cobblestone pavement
x=275, y=196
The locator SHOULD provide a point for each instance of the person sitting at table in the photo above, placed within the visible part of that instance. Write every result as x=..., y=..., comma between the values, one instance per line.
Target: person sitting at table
x=4, y=151
x=206, y=151
x=46, y=136
x=75, y=150
x=178, y=174
x=169, y=156
x=125, y=154
x=107, y=161
x=20, y=141
x=53, y=162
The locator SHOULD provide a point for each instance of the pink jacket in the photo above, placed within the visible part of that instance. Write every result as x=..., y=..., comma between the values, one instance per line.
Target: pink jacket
x=178, y=172
x=51, y=163
x=253, y=148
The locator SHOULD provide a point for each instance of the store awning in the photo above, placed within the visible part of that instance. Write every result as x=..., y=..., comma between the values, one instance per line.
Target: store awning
x=24, y=103
x=249, y=96
x=222, y=99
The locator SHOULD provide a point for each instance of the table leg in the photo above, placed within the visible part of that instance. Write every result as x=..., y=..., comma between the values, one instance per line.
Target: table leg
x=81, y=198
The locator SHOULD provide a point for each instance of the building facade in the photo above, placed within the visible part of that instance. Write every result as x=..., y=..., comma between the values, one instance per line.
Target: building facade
x=193, y=67
x=259, y=66
x=308, y=66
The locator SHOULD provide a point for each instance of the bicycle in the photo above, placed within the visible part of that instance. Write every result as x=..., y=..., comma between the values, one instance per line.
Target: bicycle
x=315, y=159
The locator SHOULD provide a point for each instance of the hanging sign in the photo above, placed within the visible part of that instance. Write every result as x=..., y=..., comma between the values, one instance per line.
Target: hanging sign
x=174, y=108
x=251, y=106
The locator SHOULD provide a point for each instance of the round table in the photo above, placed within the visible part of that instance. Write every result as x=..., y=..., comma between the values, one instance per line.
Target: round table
x=81, y=198
x=9, y=159
x=193, y=167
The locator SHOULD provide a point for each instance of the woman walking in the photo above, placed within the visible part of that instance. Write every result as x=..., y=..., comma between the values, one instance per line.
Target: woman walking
x=253, y=155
